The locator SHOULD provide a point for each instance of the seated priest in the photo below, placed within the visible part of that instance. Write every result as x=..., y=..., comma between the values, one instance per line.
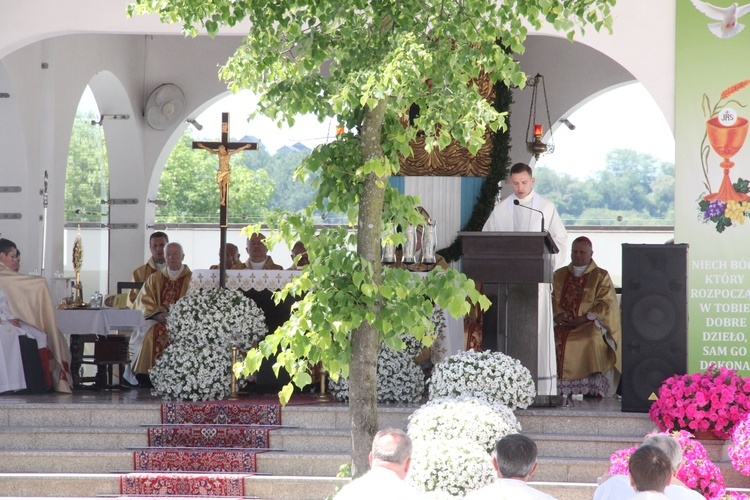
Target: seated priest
x=259, y=258
x=157, y=242
x=26, y=310
x=419, y=245
x=299, y=257
x=159, y=292
x=231, y=257
x=587, y=325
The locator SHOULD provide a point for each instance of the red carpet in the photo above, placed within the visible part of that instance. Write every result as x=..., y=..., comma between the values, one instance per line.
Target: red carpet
x=222, y=413
x=183, y=485
x=195, y=460
x=205, y=449
x=209, y=436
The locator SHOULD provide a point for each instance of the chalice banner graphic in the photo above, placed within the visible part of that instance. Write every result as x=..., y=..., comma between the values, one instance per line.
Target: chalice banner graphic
x=725, y=135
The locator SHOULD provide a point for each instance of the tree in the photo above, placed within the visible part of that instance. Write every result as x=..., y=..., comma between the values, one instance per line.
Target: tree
x=87, y=174
x=198, y=199
x=366, y=63
x=632, y=189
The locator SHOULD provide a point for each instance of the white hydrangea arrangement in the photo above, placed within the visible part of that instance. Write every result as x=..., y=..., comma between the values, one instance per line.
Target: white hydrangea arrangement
x=488, y=375
x=203, y=326
x=449, y=467
x=471, y=418
x=400, y=380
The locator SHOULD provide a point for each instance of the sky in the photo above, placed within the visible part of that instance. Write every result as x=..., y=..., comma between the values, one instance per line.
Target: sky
x=626, y=117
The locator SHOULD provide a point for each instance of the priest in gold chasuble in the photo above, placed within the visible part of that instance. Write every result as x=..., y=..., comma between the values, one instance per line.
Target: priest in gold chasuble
x=587, y=325
x=159, y=292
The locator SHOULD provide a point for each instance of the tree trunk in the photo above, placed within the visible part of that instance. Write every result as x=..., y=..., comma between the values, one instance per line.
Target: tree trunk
x=363, y=403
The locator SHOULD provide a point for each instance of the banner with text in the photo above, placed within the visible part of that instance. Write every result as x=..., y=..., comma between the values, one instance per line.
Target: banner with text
x=711, y=182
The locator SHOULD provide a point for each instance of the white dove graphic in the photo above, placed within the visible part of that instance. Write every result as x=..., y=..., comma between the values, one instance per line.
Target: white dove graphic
x=727, y=26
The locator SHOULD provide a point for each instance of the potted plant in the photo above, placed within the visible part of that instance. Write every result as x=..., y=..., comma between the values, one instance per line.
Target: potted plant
x=712, y=401
x=203, y=327
x=488, y=375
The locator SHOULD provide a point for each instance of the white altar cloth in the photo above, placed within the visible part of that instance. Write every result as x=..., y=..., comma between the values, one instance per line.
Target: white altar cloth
x=99, y=321
x=450, y=342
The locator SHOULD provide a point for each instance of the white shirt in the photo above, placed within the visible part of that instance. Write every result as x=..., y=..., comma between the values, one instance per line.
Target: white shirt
x=650, y=495
x=504, y=215
x=618, y=488
x=377, y=484
x=511, y=489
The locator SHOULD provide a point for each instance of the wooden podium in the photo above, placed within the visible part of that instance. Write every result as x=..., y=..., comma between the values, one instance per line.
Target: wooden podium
x=510, y=265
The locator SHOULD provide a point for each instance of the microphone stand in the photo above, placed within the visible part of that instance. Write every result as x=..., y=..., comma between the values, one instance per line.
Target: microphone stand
x=45, y=203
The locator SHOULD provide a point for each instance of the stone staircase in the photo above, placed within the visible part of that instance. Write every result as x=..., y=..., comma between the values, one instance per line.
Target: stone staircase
x=77, y=449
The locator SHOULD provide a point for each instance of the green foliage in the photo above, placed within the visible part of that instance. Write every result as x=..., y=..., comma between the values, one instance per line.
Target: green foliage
x=366, y=63
x=87, y=174
x=188, y=184
x=632, y=189
x=289, y=193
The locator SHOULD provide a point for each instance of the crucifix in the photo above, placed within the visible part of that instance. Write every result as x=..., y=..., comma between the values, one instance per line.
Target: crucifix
x=224, y=150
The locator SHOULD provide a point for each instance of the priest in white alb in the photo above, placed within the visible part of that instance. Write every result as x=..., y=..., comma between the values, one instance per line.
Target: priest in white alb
x=520, y=212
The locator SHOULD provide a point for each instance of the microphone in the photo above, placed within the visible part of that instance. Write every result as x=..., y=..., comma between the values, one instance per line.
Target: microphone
x=518, y=204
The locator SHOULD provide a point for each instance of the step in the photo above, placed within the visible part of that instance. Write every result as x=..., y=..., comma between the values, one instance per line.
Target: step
x=336, y=416
x=587, y=423
x=323, y=440
x=78, y=415
x=92, y=485
x=72, y=438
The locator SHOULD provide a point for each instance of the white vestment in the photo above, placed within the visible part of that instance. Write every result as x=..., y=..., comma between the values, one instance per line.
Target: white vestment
x=508, y=217
x=11, y=373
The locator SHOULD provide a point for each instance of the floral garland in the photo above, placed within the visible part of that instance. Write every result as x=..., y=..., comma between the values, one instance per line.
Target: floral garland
x=730, y=213
x=400, y=379
x=698, y=472
x=714, y=400
x=488, y=375
x=203, y=326
x=475, y=419
x=453, y=467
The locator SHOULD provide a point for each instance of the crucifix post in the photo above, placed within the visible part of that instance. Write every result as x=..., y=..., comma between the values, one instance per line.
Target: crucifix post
x=224, y=150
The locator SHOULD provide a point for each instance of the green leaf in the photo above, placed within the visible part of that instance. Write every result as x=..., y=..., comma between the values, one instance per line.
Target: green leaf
x=286, y=393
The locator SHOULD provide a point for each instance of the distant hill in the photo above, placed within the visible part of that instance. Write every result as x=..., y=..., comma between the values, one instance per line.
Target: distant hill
x=294, y=148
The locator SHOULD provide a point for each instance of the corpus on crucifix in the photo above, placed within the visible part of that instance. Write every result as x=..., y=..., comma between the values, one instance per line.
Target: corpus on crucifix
x=224, y=150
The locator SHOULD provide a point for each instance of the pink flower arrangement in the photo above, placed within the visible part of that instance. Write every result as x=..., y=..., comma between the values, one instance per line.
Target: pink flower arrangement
x=698, y=472
x=739, y=450
x=714, y=400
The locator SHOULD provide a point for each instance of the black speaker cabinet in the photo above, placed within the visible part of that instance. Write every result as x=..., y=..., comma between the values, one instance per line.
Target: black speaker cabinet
x=654, y=320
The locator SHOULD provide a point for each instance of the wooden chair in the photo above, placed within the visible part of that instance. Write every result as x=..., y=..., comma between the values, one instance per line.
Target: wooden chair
x=108, y=351
x=128, y=285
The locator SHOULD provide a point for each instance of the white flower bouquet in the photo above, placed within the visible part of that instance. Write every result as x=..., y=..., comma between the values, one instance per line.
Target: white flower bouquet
x=471, y=418
x=488, y=375
x=454, y=467
x=203, y=327
x=400, y=380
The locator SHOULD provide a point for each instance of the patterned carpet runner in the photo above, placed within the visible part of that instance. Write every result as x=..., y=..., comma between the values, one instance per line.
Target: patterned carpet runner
x=202, y=449
x=224, y=485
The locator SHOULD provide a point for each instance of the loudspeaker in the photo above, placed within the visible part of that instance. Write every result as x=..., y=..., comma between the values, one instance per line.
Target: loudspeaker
x=654, y=320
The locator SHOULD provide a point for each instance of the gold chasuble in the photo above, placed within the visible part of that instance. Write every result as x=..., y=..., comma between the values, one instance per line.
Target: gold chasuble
x=30, y=301
x=593, y=347
x=158, y=293
x=140, y=275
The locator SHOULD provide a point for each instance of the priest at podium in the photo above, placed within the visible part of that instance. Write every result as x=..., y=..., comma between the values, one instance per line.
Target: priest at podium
x=527, y=211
